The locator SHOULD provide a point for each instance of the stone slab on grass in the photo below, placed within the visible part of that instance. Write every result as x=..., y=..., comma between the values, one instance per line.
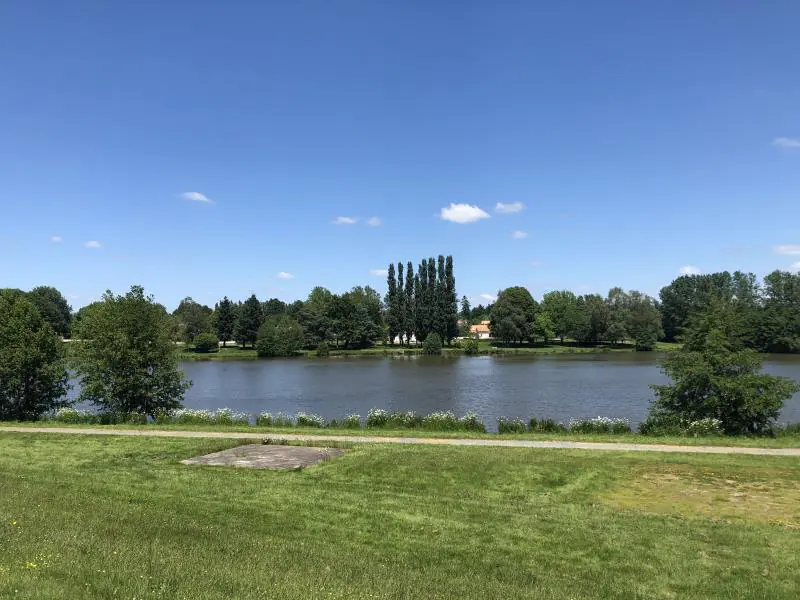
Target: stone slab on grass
x=266, y=456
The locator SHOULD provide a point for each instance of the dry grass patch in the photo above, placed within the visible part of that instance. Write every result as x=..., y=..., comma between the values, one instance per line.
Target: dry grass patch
x=763, y=495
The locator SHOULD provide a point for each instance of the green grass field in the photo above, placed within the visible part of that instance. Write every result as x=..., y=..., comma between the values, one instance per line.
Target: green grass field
x=112, y=517
x=485, y=347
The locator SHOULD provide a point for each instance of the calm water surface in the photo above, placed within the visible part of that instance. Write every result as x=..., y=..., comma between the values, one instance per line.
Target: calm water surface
x=561, y=387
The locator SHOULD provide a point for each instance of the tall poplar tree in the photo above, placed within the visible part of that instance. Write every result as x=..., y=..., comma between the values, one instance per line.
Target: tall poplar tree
x=410, y=324
x=452, y=300
x=392, y=308
x=225, y=320
x=401, y=304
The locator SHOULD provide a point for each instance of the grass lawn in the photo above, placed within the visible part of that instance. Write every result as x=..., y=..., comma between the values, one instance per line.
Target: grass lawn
x=97, y=517
x=781, y=441
x=484, y=347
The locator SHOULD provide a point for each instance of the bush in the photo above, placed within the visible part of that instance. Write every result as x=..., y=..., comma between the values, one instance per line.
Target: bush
x=281, y=336
x=404, y=420
x=323, y=350
x=308, y=420
x=266, y=419
x=377, y=417
x=662, y=424
x=195, y=416
x=471, y=422
x=73, y=415
x=546, y=426
x=705, y=427
x=432, y=345
x=600, y=425
x=206, y=342
x=441, y=421
x=352, y=422
x=471, y=346
x=505, y=425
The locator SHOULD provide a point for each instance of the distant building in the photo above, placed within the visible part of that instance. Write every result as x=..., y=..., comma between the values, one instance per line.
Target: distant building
x=481, y=331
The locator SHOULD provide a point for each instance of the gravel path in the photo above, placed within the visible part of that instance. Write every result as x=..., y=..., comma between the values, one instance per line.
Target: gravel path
x=286, y=437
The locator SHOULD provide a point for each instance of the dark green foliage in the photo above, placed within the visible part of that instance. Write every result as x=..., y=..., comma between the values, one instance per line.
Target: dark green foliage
x=643, y=324
x=248, y=320
x=505, y=425
x=513, y=315
x=470, y=346
x=779, y=325
x=127, y=361
x=432, y=344
x=393, y=305
x=53, y=307
x=33, y=379
x=279, y=336
x=408, y=313
x=714, y=378
x=192, y=319
x=273, y=308
x=562, y=306
x=206, y=342
x=323, y=350
x=225, y=320
x=545, y=426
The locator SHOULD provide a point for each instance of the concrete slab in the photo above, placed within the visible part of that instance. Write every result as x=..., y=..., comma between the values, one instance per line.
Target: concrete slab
x=266, y=456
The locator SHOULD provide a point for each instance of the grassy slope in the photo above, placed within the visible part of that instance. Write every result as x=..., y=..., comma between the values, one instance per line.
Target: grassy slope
x=120, y=517
x=485, y=347
x=783, y=441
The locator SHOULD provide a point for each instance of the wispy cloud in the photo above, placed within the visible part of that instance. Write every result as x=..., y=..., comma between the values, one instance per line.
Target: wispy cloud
x=689, y=270
x=374, y=222
x=519, y=235
x=514, y=207
x=789, y=249
x=345, y=220
x=536, y=263
x=378, y=272
x=784, y=142
x=93, y=244
x=285, y=275
x=463, y=213
x=56, y=239
x=795, y=266
x=488, y=297
x=196, y=197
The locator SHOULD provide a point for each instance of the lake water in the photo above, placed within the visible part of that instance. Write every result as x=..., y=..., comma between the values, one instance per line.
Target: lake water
x=560, y=387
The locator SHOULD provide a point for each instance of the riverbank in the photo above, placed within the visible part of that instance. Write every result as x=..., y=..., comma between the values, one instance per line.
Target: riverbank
x=256, y=432
x=485, y=348
x=96, y=517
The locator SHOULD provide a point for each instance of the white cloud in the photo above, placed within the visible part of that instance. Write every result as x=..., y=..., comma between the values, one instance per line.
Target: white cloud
x=689, y=270
x=285, y=275
x=488, y=297
x=346, y=220
x=519, y=235
x=795, y=267
x=783, y=142
x=536, y=263
x=463, y=213
x=56, y=239
x=790, y=249
x=378, y=272
x=196, y=197
x=374, y=222
x=74, y=296
x=514, y=207
x=93, y=244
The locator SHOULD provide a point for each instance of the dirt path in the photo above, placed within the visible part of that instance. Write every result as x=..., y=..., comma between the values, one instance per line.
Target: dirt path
x=278, y=437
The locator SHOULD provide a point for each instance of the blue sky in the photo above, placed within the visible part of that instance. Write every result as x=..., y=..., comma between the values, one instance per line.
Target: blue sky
x=637, y=138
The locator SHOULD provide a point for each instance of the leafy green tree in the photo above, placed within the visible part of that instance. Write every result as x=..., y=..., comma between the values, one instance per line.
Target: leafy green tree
x=401, y=304
x=451, y=305
x=779, y=327
x=206, y=342
x=248, y=320
x=643, y=321
x=562, y=306
x=580, y=326
x=192, y=319
x=409, y=318
x=432, y=344
x=543, y=327
x=273, y=308
x=599, y=315
x=33, y=379
x=127, y=362
x=279, y=336
x=225, y=320
x=393, y=307
x=713, y=377
x=513, y=315
x=466, y=309
x=53, y=307
x=617, y=302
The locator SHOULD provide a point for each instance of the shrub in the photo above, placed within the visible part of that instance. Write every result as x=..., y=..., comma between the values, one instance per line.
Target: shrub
x=73, y=415
x=471, y=346
x=704, y=427
x=309, y=420
x=377, y=417
x=352, y=422
x=404, y=420
x=505, y=425
x=441, y=421
x=206, y=342
x=279, y=336
x=323, y=350
x=432, y=345
x=600, y=425
x=471, y=422
x=226, y=416
x=662, y=424
x=546, y=426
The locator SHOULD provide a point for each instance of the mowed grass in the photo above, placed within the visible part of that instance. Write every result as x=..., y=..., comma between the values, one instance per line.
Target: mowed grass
x=114, y=517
